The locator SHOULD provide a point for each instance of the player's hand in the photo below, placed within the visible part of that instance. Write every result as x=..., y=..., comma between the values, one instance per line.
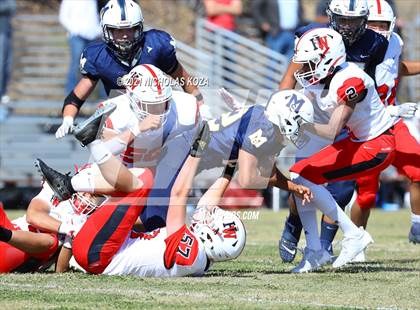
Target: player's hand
x=406, y=110
x=230, y=101
x=150, y=122
x=303, y=193
x=65, y=127
x=201, y=140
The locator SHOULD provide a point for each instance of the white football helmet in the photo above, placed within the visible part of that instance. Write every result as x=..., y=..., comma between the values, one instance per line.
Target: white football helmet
x=149, y=91
x=288, y=110
x=86, y=203
x=381, y=11
x=122, y=14
x=223, y=237
x=321, y=51
x=349, y=18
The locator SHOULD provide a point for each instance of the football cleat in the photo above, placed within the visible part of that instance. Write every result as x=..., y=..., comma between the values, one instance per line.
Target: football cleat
x=59, y=183
x=351, y=246
x=288, y=242
x=90, y=129
x=360, y=258
x=414, y=235
x=312, y=260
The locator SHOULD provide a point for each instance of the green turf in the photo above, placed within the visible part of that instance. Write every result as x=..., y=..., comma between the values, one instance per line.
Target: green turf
x=391, y=279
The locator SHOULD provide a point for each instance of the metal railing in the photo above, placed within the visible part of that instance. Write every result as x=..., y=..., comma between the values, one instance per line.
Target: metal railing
x=239, y=63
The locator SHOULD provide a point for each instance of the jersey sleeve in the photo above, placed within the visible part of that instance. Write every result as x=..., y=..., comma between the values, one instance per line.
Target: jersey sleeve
x=167, y=52
x=351, y=90
x=87, y=63
x=181, y=248
x=380, y=49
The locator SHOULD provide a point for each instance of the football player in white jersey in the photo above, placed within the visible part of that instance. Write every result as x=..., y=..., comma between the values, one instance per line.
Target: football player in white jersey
x=349, y=98
x=382, y=20
x=146, y=116
x=106, y=244
x=30, y=242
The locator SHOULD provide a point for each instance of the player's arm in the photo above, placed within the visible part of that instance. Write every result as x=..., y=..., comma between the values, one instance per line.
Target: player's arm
x=213, y=8
x=409, y=67
x=73, y=103
x=288, y=81
x=38, y=216
x=175, y=218
x=63, y=260
x=215, y=192
x=250, y=177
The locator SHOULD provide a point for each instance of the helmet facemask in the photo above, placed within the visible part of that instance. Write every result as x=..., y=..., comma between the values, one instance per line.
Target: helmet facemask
x=351, y=28
x=290, y=127
x=382, y=27
x=125, y=46
x=307, y=75
x=143, y=108
x=85, y=203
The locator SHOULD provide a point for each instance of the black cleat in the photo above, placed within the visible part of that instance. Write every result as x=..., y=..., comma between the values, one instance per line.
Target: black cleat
x=91, y=128
x=59, y=183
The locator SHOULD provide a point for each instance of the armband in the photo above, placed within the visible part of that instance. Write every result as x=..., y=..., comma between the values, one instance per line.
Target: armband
x=73, y=100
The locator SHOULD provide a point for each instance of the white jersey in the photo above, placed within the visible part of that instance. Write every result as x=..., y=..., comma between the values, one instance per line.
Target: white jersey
x=154, y=254
x=369, y=118
x=386, y=74
x=144, y=151
x=59, y=210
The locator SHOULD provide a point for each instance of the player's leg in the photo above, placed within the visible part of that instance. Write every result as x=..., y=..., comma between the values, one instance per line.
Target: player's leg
x=174, y=153
x=342, y=193
x=344, y=160
x=407, y=158
x=106, y=229
x=291, y=233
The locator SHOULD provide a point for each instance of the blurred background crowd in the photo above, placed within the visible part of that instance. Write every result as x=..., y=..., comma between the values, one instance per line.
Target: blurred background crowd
x=243, y=45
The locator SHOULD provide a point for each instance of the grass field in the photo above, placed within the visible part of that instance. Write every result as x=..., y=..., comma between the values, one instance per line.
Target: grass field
x=391, y=279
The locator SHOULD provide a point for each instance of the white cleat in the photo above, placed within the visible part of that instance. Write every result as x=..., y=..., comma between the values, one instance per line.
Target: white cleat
x=360, y=258
x=312, y=260
x=351, y=246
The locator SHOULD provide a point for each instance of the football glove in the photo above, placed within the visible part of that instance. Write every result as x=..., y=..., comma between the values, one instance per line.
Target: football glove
x=406, y=110
x=65, y=127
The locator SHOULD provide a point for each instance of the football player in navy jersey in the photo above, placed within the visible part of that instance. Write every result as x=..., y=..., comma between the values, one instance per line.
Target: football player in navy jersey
x=365, y=48
x=125, y=46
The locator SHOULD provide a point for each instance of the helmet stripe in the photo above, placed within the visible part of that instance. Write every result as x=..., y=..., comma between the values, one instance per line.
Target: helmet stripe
x=351, y=6
x=155, y=78
x=378, y=3
x=121, y=3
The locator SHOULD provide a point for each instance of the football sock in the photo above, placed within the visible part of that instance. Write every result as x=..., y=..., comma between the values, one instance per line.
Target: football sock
x=327, y=205
x=328, y=232
x=415, y=218
x=83, y=181
x=99, y=152
x=307, y=215
x=5, y=234
x=294, y=221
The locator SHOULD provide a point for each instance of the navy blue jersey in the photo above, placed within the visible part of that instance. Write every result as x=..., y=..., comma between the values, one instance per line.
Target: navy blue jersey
x=250, y=131
x=98, y=62
x=368, y=50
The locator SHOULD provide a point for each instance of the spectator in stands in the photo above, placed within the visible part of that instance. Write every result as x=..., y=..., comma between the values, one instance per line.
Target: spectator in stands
x=223, y=12
x=278, y=20
x=81, y=20
x=7, y=10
